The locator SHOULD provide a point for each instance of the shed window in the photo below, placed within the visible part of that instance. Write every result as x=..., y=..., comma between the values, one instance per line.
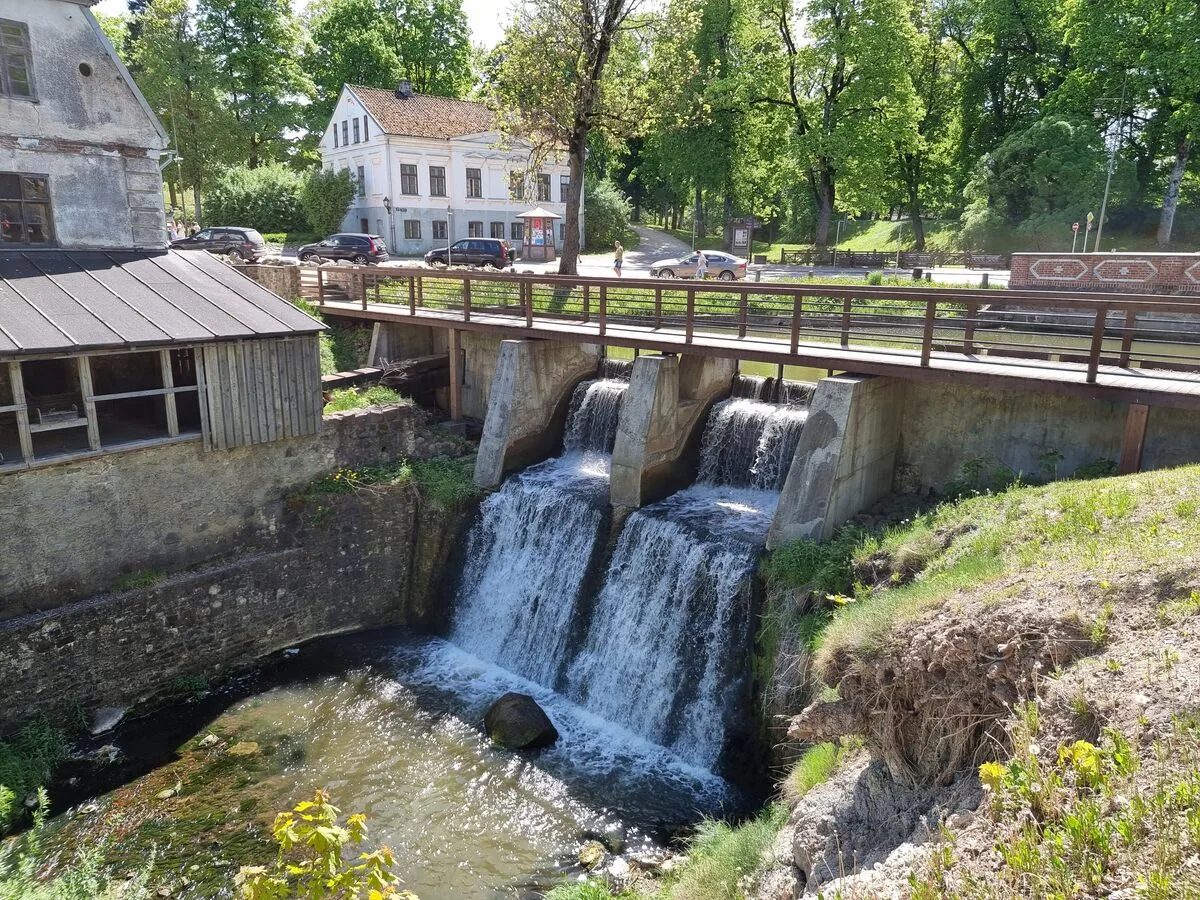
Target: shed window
x=474, y=183
x=16, y=60
x=24, y=209
x=408, y=179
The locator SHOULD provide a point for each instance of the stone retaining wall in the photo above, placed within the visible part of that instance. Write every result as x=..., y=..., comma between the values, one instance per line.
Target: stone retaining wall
x=1139, y=273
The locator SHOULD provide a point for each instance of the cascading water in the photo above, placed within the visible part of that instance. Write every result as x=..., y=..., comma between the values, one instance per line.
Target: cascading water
x=666, y=652
x=772, y=390
x=529, y=553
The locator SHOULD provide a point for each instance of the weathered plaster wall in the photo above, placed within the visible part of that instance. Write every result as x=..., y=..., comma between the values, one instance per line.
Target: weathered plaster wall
x=341, y=563
x=72, y=530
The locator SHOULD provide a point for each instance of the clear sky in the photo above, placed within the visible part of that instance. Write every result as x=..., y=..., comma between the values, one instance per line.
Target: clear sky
x=484, y=16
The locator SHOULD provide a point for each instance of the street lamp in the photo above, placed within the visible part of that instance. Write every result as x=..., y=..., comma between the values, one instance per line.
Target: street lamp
x=1112, y=165
x=837, y=238
x=387, y=205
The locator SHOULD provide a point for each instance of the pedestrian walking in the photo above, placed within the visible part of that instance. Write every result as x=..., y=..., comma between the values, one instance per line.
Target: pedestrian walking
x=620, y=257
x=701, y=265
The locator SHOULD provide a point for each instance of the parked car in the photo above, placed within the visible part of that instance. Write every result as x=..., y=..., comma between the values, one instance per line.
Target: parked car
x=239, y=243
x=720, y=265
x=359, y=249
x=473, y=252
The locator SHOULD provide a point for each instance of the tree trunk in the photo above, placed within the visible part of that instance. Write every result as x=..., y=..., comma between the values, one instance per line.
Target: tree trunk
x=174, y=200
x=1183, y=148
x=727, y=215
x=700, y=223
x=914, y=215
x=568, y=263
x=196, y=204
x=825, y=197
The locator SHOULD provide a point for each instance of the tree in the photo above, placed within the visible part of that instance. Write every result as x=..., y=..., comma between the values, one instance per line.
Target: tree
x=116, y=29
x=552, y=81
x=607, y=215
x=378, y=42
x=256, y=46
x=267, y=198
x=326, y=195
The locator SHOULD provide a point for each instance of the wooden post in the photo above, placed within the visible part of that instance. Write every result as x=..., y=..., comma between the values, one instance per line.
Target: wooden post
x=743, y=314
x=529, y=304
x=362, y=285
x=24, y=435
x=320, y=287
x=89, y=403
x=168, y=380
x=845, y=321
x=587, y=303
x=466, y=299
x=456, y=375
x=420, y=291
x=927, y=334
x=412, y=295
x=1127, y=336
x=969, y=329
x=657, y=307
x=603, y=314
x=378, y=281
x=797, y=309
x=1134, y=440
x=1097, y=344
x=691, y=313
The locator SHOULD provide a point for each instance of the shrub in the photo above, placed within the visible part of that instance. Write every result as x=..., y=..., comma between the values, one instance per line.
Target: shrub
x=353, y=398
x=875, y=278
x=823, y=567
x=27, y=761
x=266, y=198
x=326, y=195
x=606, y=214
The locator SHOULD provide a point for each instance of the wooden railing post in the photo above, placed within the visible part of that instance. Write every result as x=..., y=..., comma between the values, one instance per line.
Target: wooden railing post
x=362, y=285
x=587, y=303
x=1127, y=336
x=743, y=313
x=412, y=295
x=969, y=329
x=603, y=314
x=1097, y=344
x=846, y=321
x=927, y=334
x=689, y=317
x=658, y=307
x=420, y=291
x=529, y=304
x=320, y=287
x=378, y=281
x=797, y=309
x=466, y=299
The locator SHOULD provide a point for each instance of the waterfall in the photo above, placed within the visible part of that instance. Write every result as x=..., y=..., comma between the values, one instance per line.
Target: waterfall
x=529, y=552
x=750, y=444
x=619, y=369
x=772, y=390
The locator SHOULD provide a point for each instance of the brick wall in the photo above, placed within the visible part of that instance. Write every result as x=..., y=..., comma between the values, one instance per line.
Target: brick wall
x=1142, y=273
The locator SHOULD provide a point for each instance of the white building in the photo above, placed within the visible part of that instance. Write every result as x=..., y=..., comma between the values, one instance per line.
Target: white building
x=440, y=165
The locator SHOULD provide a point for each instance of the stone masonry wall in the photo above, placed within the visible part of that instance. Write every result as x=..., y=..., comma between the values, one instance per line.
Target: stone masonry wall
x=339, y=563
x=72, y=530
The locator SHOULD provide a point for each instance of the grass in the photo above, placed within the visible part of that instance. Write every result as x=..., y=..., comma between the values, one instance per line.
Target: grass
x=721, y=857
x=344, y=399
x=855, y=235
x=815, y=767
x=442, y=481
x=27, y=760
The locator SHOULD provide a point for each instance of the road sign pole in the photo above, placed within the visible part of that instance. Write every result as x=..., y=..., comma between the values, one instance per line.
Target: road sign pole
x=1074, y=235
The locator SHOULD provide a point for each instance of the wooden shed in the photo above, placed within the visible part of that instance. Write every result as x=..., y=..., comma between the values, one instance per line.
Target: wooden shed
x=103, y=351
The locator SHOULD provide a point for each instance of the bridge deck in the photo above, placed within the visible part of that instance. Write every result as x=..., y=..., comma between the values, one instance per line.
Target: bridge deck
x=1146, y=385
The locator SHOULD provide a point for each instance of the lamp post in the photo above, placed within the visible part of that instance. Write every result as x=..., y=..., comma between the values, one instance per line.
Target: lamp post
x=387, y=205
x=1112, y=165
x=449, y=235
x=837, y=237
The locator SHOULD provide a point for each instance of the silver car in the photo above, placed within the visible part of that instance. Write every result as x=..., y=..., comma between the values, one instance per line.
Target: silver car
x=720, y=265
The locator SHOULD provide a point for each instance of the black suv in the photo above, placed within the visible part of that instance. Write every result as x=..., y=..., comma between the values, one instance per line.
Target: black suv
x=237, y=243
x=360, y=249
x=473, y=252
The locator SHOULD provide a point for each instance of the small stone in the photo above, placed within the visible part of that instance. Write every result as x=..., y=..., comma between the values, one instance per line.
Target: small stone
x=244, y=748
x=592, y=854
x=169, y=792
x=209, y=740
x=106, y=718
x=619, y=868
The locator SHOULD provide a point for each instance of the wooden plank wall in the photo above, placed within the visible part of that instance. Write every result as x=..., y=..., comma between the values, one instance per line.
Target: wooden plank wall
x=261, y=391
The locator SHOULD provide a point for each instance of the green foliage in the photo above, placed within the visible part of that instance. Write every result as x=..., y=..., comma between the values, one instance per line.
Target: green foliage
x=350, y=345
x=27, y=760
x=345, y=399
x=1099, y=468
x=721, y=856
x=822, y=567
x=606, y=214
x=591, y=890
x=312, y=864
x=875, y=278
x=815, y=767
x=266, y=198
x=132, y=581
x=292, y=237
x=326, y=194
x=444, y=481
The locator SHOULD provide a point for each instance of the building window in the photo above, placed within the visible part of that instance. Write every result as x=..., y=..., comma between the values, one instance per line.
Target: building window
x=408, y=179
x=474, y=229
x=518, y=232
x=335, y=140
x=543, y=187
x=439, y=231
x=498, y=230
x=361, y=180
x=564, y=187
x=345, y=133
x=562, y=234
x=474, y=184
x=357, y=134
x=16, y=60
x=366, y=131
x=24, y=209
x=412, y=229
x=437, y=181
x=516, y=185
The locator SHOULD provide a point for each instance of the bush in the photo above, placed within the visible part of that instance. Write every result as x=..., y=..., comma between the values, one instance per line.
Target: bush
x=352, y=398
x=326, y=195
x=606, y=214
x=27, y=761
x=875, y=278
x=266, y=198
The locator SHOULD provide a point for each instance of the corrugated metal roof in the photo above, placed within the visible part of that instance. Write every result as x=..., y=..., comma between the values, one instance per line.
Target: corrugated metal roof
x=64, y=300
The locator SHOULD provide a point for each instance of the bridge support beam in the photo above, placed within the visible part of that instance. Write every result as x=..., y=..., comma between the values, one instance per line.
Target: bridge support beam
x=1134, y=441
x=845, y=459
x=528, y=404
x=661, y=419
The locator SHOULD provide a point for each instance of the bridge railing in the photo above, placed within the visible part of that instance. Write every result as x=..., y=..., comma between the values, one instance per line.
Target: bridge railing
x=1088, y=329
x=879, y=259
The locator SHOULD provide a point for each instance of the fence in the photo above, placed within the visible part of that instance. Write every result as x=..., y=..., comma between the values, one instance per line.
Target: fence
x=878, y=259
x=1127, y=330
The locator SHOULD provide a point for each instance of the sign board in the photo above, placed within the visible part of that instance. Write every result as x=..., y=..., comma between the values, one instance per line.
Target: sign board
x=741, y=238
x=1074, y=226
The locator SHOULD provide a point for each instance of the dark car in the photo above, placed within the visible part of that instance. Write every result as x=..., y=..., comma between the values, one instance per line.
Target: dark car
x=473, y=252
x=360, y=249
x=236, y=243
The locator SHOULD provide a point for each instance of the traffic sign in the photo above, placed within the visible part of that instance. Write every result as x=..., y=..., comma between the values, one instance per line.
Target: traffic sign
x=1075, y=226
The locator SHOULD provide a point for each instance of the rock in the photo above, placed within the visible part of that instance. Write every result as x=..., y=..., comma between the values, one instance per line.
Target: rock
x=169, y=792
x=515, y=721
x=591, y=855
x=243, y=748
x=619, y=868
x=209, y=740
x=107, y=755
x=105, y=718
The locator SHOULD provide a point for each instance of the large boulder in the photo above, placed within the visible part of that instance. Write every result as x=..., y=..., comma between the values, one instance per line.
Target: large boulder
x=516, y=722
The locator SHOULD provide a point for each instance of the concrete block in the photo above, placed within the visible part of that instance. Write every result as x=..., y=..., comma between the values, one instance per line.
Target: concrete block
x=845, y=458
x=527, y=404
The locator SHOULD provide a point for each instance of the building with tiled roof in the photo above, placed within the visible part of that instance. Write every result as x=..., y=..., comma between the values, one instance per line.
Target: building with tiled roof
x=433, y=170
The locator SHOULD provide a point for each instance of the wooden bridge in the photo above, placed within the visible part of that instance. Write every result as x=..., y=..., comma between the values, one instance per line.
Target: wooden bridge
x=1131, y=348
